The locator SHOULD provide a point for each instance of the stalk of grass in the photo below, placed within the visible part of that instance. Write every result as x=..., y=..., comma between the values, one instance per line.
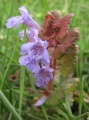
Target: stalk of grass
x=6, y=42
x=81, y=96
x=60, y=112
x=10, y=116
x=9, y=106
x=8, y=65
x=22, y=78
x=81, y=116
x=81, y=83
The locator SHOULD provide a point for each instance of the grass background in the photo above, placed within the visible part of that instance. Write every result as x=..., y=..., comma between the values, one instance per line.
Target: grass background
x=9, y=54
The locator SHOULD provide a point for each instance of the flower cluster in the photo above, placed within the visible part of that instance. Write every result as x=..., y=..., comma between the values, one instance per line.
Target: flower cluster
x=34, y=54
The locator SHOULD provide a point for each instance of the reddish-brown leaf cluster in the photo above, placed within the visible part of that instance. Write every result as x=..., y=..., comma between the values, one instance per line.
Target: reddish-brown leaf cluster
x=55, y=30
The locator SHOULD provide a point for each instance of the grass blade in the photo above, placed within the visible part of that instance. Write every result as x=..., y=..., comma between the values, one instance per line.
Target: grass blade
x=8, y=65
x=9, y=106
x=22, y=78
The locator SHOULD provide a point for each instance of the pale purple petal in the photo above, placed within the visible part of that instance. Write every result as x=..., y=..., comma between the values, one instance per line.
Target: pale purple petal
x=25, y=48
x=40, y=101
x=40, y=83
x=24, y=60
x=31, y=34
x=21, y=35
x=44, y=43
x=27, y=18
x=14, y=21
x=30, y=62
x=37, y=49
x=23, y=11
x=45, y=58
x=43, y=76
x=33, y=65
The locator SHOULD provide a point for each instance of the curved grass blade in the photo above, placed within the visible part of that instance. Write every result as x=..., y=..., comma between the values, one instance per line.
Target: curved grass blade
x=9, y=106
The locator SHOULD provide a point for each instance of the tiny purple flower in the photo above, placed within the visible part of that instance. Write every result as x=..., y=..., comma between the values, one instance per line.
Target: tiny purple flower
x=21, y=35
x=43, y=76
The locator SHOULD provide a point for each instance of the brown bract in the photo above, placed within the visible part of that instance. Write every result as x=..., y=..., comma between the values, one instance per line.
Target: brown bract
x=68, y=42
x=55, y=27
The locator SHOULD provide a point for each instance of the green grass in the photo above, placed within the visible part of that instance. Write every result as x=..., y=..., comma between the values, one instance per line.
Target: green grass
x=16, y=102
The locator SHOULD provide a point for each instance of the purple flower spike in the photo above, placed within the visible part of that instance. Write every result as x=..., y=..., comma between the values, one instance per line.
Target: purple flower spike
x=43, y=76
x=14, y=21
x=21, y=35
x=27, y=18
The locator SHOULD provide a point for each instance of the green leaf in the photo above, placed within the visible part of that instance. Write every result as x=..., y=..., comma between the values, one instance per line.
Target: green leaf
x=67, y=62
x=62, y=90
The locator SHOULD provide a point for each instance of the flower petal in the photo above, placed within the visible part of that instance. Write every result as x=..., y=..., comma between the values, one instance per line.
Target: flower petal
x=43, y=76
x=14, y=21
x=33, y=65
x=31, y=34
x=40, y=101
x=24, y=60
x=25, y=48
x=45, y=58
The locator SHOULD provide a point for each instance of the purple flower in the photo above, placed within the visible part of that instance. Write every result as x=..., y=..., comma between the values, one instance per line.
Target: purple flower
x=14, y=21
x=31, y=34
x=25, y=18
x=30, y=62
x=38, y=49
x=21, y=35
x=43, y=76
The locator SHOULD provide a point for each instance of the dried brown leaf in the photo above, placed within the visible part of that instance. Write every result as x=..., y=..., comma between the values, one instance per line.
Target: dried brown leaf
x=64, y=26
x=69, y=41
